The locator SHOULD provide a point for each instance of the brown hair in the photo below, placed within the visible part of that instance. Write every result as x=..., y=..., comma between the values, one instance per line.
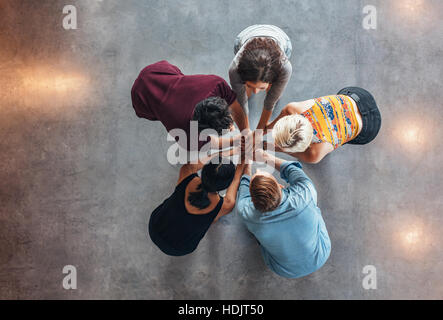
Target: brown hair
x=261, y=60
x=265, y=193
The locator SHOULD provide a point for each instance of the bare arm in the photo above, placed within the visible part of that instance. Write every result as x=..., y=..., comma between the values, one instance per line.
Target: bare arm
x=231, y=193
x=191, y=168
x=248, y=170
x=265, y=116
x=292, y=108
x=289, y=109
x=315, y=153
x=239, y=116
x=218, y=143
x=239, y=108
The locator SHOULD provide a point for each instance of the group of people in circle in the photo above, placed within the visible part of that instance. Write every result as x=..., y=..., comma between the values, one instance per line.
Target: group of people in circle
x=286, y=221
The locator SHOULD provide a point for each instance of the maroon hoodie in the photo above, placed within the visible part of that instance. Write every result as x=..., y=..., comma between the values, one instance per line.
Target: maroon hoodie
x=163, y=93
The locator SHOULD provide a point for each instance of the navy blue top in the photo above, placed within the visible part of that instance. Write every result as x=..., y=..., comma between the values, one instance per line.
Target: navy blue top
x=176, y=231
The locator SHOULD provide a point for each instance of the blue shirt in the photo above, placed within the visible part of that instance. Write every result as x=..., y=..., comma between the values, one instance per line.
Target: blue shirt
x=293, y=237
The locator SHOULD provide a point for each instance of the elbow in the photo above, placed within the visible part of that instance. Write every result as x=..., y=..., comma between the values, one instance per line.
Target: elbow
x=314, y=158
x=309, y=156
x=184, y=168
x=229, y=204
x=289, y=109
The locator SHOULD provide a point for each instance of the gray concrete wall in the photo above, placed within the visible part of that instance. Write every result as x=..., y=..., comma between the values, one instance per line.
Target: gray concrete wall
x=80, y=173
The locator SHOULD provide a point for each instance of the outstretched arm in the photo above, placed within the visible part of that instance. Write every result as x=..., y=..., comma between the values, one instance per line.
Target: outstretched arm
x=275, y=92
x=231, y=193
x=289, y=109
x=292, y=108
x=239, y=116
x=315, y=153
x=218, y=143
x=241, y=103
x=268, y=158
x=191, y=168
x=265, y=116
x=248, y=170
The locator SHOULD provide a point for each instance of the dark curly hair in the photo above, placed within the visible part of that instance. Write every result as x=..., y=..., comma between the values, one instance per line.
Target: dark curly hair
x=213, y=113
x=261, y=60
x=215, y=176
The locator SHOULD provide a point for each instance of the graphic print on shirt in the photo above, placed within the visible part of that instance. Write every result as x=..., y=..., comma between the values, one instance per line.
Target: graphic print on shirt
x=333, y=120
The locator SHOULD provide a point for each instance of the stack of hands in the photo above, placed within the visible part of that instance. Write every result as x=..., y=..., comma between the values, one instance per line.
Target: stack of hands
x=251, y=147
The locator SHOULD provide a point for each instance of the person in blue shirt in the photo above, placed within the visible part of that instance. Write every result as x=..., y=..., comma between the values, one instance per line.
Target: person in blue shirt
x=285, y=221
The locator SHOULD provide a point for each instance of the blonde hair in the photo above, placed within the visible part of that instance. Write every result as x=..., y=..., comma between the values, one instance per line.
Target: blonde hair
x=293, y=133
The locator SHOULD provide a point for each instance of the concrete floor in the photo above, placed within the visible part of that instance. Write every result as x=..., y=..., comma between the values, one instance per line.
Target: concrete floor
x=80, y=173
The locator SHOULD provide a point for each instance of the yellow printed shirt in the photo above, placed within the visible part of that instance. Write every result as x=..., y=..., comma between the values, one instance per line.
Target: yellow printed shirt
x=333, y=120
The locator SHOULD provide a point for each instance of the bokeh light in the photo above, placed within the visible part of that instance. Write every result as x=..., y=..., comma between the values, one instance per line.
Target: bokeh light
x=48, y=81
x=411, y=5
x=415, y=11
x=412, y=134
x=412, y=238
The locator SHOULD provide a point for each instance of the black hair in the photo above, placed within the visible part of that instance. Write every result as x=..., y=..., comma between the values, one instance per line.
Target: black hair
x=215, y=176
x=261, y=60
x=213, y=113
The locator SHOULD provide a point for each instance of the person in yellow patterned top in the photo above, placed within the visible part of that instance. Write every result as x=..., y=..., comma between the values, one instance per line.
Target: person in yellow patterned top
x=311, y=129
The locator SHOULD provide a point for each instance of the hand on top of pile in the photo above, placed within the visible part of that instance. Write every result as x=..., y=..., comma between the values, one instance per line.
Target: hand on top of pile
x=251, y=146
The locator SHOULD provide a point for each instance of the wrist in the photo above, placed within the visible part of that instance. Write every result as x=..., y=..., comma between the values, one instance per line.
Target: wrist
x=267, y=156
x=214, y=140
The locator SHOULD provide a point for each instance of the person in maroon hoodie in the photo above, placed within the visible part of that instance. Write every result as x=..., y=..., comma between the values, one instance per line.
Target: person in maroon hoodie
x=163, y=93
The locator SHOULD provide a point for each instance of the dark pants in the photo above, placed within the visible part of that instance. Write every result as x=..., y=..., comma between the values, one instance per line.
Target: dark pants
x=369, y=111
